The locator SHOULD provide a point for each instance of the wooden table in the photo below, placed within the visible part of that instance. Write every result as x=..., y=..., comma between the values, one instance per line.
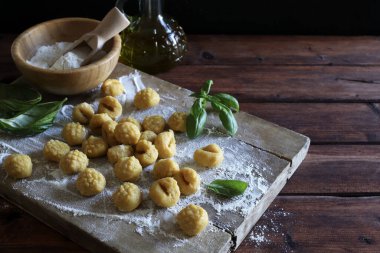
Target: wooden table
x=327, y=88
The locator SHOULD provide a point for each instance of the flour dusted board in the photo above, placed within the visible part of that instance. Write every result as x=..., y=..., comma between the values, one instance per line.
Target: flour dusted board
x=263, y=154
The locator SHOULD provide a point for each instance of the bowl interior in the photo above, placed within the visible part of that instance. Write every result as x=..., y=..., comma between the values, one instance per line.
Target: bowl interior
x=67, y=29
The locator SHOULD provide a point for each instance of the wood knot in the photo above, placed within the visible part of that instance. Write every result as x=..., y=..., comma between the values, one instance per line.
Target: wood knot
x=208, y=56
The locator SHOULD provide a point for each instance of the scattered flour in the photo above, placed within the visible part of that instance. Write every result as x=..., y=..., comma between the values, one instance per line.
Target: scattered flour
x=261, y=234
x=50, y=186
x=46, y=55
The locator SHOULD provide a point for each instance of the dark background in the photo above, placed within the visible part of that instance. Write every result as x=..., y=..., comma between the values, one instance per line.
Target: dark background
x=216, y=16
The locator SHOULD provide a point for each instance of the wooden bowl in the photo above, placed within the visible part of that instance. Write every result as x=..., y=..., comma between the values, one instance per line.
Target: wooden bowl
x=63, y=82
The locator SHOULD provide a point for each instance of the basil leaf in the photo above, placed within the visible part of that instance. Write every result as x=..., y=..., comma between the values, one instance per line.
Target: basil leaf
x=207, y=86
x=228, y=100
x=196, y=123
x=34, y=120
x=228, y=188
x=218, y=106
x=228, y=121
x=17, y=97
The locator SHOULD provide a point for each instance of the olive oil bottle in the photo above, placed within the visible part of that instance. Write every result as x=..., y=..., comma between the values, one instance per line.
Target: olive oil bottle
x=152, y=43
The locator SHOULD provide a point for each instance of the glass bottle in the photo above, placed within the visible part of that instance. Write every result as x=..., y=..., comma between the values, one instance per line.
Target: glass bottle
x=152, y=43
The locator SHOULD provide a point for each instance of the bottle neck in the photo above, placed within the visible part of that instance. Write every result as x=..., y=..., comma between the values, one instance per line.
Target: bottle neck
x=150, y=8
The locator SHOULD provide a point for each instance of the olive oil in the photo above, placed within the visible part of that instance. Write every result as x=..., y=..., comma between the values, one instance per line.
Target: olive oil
x=153, y=43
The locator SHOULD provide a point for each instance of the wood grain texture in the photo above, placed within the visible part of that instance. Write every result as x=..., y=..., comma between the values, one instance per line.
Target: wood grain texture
x=318, y=224
x=282, y=50
x=284, y=83
x=323, y=122
x=338, y=170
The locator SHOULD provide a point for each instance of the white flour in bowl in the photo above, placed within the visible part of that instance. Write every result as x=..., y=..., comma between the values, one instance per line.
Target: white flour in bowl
x=46, y=55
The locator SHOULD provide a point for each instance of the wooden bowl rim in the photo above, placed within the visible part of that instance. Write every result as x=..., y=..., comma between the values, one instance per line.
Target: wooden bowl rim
x=15, y=49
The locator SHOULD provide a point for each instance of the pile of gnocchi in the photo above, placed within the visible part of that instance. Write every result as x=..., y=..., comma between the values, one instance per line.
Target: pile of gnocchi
x=129, y=146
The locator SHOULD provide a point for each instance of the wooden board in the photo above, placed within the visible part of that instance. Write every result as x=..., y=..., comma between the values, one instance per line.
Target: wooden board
x=273, y=154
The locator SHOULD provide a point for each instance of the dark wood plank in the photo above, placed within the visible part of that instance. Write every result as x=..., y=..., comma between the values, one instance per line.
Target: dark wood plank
x=20, y=232
x=291, y=224
x=282, y=50
x=284, y=83
x=338, y=170
x=317, y=224
x=323, y=122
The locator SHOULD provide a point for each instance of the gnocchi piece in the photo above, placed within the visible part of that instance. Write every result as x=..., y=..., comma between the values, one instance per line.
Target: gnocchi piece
x=94, y=147
x=133, y=121
x=165, y=168
x=177, y=121
x=192, y=219
x=188, y=181
x=148, y=136
x=97, y=122
x=209, y=156
x=54, y=150
x=155, y=123
x=127, y=197
x=73, y=162
x=165, y=192
x=108, y=133
x=18, y=166
x=83, y=113
x=128, y=169
x=146, y=98
x=127, y=133
x=112, y=87
x=165, y=144
x=115, y=153
x=90, y=182
x=74, y=133
x=111, y=106
x=146, y=153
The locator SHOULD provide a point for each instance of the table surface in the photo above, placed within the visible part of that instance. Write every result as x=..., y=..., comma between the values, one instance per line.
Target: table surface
x=327, y=88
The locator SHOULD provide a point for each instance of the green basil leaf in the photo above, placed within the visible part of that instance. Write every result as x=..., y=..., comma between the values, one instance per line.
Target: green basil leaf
x=195, y=124
x=228, y=188
x=34, y=120
x=228, y=121
x=201, y=94
x=228, y=100
x=198, y=106
x=207, y=86
x=217, y=105
x=17, y=97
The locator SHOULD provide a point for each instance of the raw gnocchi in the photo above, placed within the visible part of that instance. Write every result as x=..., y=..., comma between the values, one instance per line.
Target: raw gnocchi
x=164, y=192
x=146, y=153
x=112, y=87
x=54, y=150
x=192, y=219
x=165, y=144
x=155, y=123
x=165, y=168
x=74, y=133
x=128, y=169
x=73, y=162
x=97, y=122
x=146, y=98
x=177, y=121
x=18, y=166
x=117, y=152
x=94, y=147
x=209, y=156
x=83, y=113
x=111, y=106
x=127, y=197
x=90, y=182
x=188, y=181
x=127, y=133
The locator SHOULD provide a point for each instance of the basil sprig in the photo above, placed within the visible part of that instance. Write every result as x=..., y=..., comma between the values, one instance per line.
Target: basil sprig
x=34, y=120
x=21, y=112
x=223, y=103
x=228, y=188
